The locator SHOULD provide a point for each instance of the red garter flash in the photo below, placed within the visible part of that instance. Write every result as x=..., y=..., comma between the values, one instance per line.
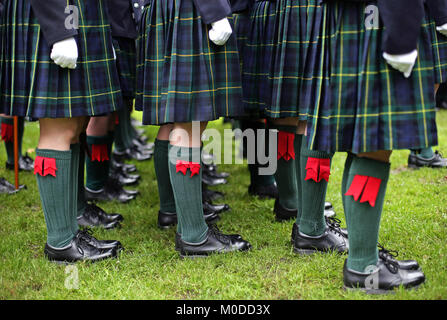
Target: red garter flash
x=99, y=152
x=318, y=169
x=45, y=166
x=286, y=148
x=366, y=186
x=7, y=131
x=183, y=166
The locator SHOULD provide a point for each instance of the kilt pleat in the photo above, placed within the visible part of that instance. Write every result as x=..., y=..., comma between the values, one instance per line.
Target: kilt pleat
x=370, y=106
x=126, y=63
x=284, y=69
x=439, y=48
x=181, y=75
x=34, y=86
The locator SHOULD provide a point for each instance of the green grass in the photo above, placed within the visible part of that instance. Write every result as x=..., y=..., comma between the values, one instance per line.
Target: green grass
x=414, y=223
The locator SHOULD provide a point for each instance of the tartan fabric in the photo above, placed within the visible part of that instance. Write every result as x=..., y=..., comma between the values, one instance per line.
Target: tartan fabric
x=126, y=64
x=241, y=29
x=33, y=85
x=369, y=106
x=439, y=48
x=284, y=70
x=181, y=75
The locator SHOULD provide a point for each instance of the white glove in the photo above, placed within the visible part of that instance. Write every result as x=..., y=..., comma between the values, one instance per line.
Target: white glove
x=442, y=29
x=402, y=62
x=220, y=32
x=65, y=53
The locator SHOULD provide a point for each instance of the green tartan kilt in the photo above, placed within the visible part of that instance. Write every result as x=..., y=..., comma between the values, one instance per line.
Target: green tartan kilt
x=241, y=29
x=439, y=47
x=284, y=66
x=34, y=86
x=181, y=75
x=126, y=63
x=369, y=106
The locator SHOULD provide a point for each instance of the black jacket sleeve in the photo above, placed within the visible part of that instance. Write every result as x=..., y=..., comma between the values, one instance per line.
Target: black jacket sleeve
x=213, y=10
x=51, y=16
x=121, y=18
x=437, y=9
x=402, y=20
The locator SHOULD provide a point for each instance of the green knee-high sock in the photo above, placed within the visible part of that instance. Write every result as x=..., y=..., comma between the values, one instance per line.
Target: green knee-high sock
x=314, y=187
x=74, y=184
x=97, y=166
x=344, y=182
x=121, y=142
x=82, y=202
x=285, y=175
x=426, y=153
x=255, y=178
x=300, y=141
x=188, y=193
x=161, y=165
x=110, y=141
x=54, y=184
x=364, y=214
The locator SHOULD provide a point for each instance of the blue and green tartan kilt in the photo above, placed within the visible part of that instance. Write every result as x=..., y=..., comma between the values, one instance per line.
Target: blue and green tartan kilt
x=126, y=56
x=439, y=48
x=241, y=29
x=32, y=85
x=181, y=75
x=370, y=106
x=284, y=68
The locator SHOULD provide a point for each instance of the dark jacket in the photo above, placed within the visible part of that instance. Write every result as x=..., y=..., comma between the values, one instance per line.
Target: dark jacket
x=240, y=5
x=213, y=10
x=437, y=9
x=121, y=16
x=51, y=16
x=402, y=20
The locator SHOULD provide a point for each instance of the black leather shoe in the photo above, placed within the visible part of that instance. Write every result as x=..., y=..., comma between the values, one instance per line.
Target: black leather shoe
x=386, y=277
x=211, y=170
x=167, y=220
x=211, y=195
x=332, y=222
x=335, y=223
x=127, y=168
x=178, y=237
x=216, y=242
x=216, y=208
x=25, y=164
x=96, y=217
x=8, y=188
x=390, y=255
x=264, y=192
x=437, y=161
x=124, y=179
x=79, y=250
x=87, y=234
x=132, y=153
x=143, y=146
x=331, y=241
x=282, y=213
x=109, y=193
x=211, y=181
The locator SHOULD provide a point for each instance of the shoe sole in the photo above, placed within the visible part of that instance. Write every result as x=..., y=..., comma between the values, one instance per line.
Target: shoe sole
x=308, y=252
x=378, y=291
x=186, y=256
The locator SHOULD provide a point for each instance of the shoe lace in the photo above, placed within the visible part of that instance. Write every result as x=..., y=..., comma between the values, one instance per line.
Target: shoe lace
x=388, y=257
x=334, y=225
x=219, y=235
x=86, y=235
